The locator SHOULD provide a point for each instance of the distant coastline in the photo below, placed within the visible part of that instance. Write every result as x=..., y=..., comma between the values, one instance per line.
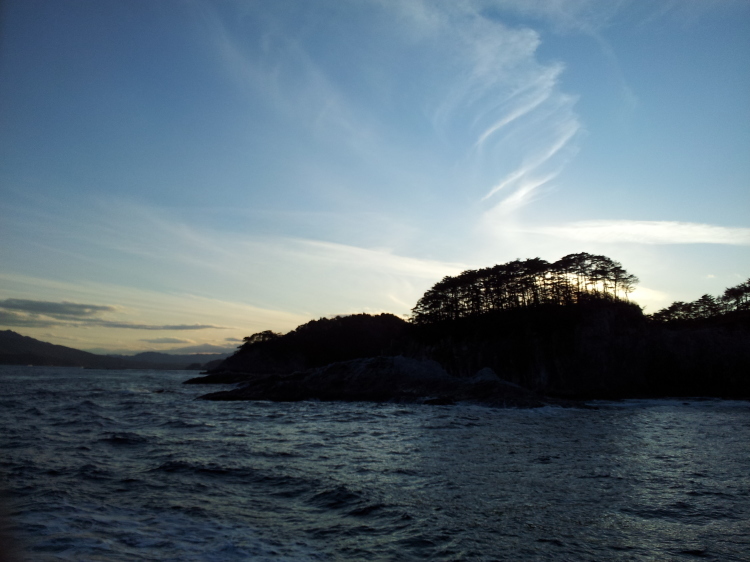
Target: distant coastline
x=16, y=349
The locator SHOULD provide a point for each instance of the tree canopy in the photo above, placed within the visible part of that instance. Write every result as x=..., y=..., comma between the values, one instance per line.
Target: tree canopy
x=259, y=337
x=320, y=342
x=522, y=283
x=734, y=299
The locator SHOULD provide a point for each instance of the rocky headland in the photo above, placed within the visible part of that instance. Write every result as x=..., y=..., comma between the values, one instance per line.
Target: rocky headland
x=518, y=359
x=522, y=334
x=386, y=379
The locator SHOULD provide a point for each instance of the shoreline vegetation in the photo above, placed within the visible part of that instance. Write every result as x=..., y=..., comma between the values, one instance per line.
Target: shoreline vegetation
x=521, y=334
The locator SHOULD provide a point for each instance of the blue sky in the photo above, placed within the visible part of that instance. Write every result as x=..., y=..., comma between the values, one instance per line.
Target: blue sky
x=191, y=172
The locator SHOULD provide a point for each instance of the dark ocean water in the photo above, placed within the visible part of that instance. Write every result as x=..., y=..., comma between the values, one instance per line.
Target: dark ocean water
x=126, y=465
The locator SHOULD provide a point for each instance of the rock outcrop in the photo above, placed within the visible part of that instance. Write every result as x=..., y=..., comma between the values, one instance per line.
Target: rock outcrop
x=384, y=379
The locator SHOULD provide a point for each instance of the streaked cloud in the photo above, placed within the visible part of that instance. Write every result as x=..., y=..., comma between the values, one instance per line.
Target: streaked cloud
x=166, y=327
x=525, y=192
x=493, y=106
x=521, y=125
x=377, y=260
x=148, y=308
x=20, y=320
x=54, y=336
x=566, y=16
x=56, y=309
x=526, y=178
x=646, y=232
x=505, y=109
x=526, y=99
x=304, y=277
x=15, y=319
x=45, y=314
x=200, y=349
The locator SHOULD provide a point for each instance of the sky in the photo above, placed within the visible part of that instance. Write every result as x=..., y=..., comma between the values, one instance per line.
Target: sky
x=182, y=174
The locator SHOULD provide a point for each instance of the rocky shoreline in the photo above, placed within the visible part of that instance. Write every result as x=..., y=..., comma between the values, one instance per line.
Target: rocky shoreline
x=517, y=358
x=379, y=379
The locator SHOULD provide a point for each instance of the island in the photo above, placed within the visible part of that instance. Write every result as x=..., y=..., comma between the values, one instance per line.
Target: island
x=521, y=334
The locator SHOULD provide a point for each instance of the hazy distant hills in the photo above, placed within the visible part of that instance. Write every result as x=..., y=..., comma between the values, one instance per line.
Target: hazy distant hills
x=184, y=359
x=16, y=349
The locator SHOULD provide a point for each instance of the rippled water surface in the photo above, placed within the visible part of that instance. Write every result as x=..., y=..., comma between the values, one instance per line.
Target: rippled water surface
x=126, y=465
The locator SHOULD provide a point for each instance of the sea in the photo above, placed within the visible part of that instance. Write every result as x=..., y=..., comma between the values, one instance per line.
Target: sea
x=128, y=465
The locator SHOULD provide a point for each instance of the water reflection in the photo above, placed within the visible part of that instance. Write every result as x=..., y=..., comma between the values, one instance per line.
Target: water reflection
x=690, y=474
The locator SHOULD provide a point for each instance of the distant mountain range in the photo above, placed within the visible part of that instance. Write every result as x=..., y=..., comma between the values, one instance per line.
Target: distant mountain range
x=16, y=349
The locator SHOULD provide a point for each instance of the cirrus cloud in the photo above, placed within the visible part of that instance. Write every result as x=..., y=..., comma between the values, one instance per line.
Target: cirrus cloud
x=646, y=232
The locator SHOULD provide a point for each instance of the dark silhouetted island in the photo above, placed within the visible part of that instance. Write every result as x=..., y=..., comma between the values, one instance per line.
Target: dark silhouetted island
x=520, y=334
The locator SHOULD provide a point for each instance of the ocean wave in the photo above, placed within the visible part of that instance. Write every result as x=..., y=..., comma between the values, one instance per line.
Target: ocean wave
x=124, y=438
x=169, y=478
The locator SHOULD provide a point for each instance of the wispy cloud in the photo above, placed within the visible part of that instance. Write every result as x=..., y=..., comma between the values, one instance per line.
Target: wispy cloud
x=523, y=177
x=499, y=117
x=528, y=97
x=377, y=260
x=275, y=65
x=505, y=109
x=299, y=275
x=526, y=189
x=151, y=308
x=46, y=314
x=646, y=232
x=568, y=16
